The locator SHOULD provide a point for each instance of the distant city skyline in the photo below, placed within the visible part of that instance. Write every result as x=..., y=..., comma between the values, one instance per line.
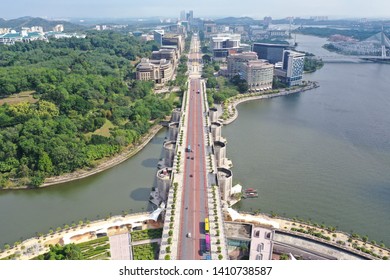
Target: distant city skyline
x=202, y=8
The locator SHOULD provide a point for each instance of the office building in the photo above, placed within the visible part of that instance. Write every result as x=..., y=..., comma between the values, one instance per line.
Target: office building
x=271, y=52
x=158, y=35
x=257, y=73
x=225, y=44
x=235, y=62
x=293, y=63
x=159, y=71
x=173, y=40
x=209, y=28
x=168, y=54
x=183, y=15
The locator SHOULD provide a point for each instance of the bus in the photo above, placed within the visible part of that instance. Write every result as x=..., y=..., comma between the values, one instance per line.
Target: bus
x=207, y=238
x=206, y=225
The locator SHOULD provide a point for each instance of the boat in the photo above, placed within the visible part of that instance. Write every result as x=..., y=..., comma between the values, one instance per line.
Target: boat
x=250, y=193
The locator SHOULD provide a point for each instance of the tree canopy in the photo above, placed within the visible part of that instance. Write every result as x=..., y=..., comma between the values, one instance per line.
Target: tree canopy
x=82, y=85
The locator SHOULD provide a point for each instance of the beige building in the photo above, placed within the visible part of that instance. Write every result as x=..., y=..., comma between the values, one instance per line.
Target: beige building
x=235, y=62
x=159, y=71
x=258, y=73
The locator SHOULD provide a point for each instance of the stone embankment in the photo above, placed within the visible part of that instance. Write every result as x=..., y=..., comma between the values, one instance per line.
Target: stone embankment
x=230, y=106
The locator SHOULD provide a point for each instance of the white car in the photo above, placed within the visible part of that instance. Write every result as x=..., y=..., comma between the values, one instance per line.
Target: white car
x=189, y=235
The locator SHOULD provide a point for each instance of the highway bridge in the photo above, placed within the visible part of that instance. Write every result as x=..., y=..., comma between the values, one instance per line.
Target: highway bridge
x=194, y=197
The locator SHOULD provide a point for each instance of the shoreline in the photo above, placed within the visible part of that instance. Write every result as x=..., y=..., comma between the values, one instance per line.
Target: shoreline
x=105, y=164
x=236, y=100
x=22, y=250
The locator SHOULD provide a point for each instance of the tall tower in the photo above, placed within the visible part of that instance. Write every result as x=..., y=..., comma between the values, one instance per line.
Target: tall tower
x=183, y=15
x=383, y=43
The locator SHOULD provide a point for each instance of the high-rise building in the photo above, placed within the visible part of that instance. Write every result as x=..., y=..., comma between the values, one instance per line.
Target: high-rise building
x=158, y=36
x=190, y=16
x=271, y=52
x=183, y=15
x=293, y=63
x=209, y=28
x=267, y=21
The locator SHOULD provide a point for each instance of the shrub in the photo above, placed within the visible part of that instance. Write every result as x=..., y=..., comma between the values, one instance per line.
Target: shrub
x=167, y=257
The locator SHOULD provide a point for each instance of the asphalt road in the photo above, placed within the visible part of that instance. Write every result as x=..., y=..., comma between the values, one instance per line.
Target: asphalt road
x=194, y=201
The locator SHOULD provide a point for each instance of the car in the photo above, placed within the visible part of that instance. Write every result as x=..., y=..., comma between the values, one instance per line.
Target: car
x=192, y=157
x=191, y=175
x=189, y=234
x=198, y=91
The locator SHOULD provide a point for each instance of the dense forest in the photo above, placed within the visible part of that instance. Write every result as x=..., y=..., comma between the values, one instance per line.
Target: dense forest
x=86, y=104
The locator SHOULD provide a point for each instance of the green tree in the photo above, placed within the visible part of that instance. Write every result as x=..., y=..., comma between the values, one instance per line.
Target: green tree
x=44, y=163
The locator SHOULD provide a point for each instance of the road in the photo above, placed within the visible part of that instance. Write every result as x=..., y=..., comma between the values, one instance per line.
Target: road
x=194, y=201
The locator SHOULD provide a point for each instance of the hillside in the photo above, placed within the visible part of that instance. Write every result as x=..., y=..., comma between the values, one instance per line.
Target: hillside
x=47, y=25
x=239, y=21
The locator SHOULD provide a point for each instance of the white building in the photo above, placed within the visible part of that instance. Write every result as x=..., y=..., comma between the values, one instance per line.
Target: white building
x=58, y=28
x=38, y=29
x=5, y=30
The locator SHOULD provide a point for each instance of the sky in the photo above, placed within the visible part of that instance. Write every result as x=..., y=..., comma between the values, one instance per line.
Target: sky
x=202, y=8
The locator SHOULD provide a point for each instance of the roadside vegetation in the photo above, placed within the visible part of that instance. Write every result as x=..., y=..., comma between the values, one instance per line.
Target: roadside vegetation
x=83, y=104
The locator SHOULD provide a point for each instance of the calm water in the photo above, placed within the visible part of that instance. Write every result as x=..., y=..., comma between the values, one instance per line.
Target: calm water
x=125, y=187
x=322, y=154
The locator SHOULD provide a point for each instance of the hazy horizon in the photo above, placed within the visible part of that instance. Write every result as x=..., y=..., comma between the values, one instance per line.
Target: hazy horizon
x=207, y=9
